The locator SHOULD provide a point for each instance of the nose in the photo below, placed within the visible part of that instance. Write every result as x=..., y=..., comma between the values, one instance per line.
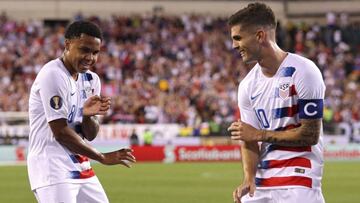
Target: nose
x=90, y=57
x=235, y=45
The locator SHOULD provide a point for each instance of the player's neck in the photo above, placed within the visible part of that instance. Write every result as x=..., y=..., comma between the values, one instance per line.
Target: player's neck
x=68, y=67
x=271, y=61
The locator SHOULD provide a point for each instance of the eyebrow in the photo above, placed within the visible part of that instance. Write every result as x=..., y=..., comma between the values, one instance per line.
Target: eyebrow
x=88, y=49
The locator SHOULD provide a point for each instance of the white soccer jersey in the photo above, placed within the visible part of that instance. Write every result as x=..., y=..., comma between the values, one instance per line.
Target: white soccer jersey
x=278, y=103
x=55, y=95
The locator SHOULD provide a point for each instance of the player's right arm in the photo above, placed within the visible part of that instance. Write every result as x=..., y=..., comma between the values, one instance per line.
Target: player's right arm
x=250, y=158
x=249, y=150
x=68, y=138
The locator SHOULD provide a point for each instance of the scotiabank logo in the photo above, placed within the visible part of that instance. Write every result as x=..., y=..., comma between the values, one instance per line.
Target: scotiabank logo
x=220, y=153
x=170, y=154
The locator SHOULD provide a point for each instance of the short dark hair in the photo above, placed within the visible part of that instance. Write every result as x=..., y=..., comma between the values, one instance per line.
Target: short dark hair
x=252, y=15
x=75, y=29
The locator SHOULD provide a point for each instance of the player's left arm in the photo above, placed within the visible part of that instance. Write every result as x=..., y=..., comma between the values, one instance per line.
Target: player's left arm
x=94, y=106
x=90, y=127
x=305, y=135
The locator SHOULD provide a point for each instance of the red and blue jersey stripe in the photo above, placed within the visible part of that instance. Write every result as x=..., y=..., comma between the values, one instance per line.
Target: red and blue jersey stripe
x=285, y=112
x=297, y=161
x=77, y=158
x=273, y=147
x=82, y=174
x=284, y=181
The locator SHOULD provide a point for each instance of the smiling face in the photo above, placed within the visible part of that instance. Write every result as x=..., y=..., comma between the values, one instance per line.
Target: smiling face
x=81, y=53
x=247, y=42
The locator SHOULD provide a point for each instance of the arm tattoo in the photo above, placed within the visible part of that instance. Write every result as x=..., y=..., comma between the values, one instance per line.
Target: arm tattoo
x=306, y=135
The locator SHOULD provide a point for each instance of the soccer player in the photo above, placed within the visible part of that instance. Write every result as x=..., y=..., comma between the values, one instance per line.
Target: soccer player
x=64, y=101
x=281, y=105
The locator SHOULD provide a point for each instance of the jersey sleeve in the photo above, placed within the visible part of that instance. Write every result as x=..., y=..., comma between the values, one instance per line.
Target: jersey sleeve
x=54, y=92
x=246, y=111
x=311, y=91
x=97, y=84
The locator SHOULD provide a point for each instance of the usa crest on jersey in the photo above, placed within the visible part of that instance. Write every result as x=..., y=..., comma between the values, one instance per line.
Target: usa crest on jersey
x=284, y=90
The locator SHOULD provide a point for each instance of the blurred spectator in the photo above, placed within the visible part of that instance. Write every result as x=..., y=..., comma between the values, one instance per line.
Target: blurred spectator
x=134, y=138
x=148, y=137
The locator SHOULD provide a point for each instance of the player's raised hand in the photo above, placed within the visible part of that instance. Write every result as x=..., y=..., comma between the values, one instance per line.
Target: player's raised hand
x=245, y=132
x=245, y=188
x=96, y=105
x=123, y=156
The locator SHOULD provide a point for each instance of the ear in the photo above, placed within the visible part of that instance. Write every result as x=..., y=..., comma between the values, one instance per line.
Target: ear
x=67, y=44
x=260, y=36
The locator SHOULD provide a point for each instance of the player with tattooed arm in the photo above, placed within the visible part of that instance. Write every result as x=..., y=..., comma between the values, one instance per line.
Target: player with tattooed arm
x=281, y=105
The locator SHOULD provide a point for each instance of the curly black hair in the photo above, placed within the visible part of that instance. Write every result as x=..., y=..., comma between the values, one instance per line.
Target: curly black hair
x=255, y=14
x=75, y=29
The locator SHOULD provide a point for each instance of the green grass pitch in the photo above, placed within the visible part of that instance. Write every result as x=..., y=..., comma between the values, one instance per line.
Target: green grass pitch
x=181, y=183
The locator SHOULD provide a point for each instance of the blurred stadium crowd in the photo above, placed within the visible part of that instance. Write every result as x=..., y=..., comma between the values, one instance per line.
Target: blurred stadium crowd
x=180, y=69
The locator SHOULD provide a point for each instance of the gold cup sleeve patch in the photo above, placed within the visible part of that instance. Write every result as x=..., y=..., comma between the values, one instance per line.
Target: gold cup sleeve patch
x=56, y=102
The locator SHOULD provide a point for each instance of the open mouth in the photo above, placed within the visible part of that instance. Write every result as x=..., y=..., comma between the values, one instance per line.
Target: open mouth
x=242, y=53
x=85, y=65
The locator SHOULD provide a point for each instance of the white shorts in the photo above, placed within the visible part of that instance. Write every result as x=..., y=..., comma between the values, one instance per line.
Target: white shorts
x=291, y=195
x=88, y=192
